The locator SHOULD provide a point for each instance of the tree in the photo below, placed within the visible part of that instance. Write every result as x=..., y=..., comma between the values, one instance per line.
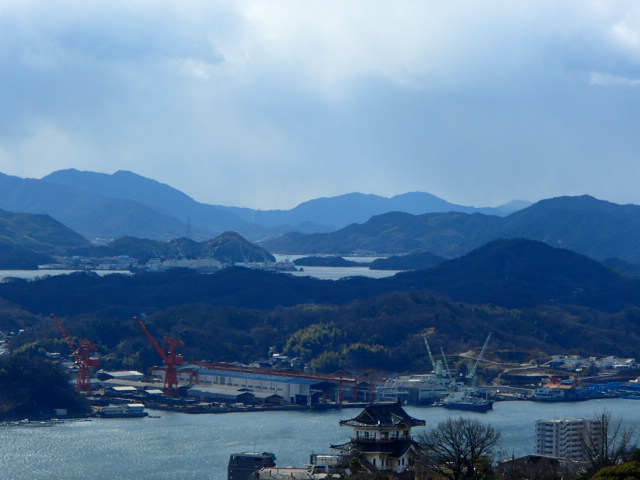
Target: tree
x=629, y=470
x=458, y=449
x=610, y=443
x=34, y=386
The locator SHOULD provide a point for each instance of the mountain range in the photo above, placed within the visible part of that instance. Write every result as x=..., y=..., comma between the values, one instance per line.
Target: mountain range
x=583, y=224
x=103, y=207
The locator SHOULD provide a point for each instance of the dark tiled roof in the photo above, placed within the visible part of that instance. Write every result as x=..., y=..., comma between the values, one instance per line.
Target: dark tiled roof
x=383, y=415
x=392, y=449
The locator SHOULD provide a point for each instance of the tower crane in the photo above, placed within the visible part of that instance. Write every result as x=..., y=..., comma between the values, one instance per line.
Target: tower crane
x=171, y=359
x=472, y=373
x=435, y=364
x=82, y=355
x=446, y=365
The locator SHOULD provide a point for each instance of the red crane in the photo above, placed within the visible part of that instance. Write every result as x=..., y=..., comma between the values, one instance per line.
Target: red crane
x=82, y=355
x=171, y=359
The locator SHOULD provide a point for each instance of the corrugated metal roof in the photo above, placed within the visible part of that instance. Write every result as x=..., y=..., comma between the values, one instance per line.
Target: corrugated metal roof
x=258, y=376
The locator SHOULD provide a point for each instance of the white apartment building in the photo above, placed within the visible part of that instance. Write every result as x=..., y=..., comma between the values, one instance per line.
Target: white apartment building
x=565, y=437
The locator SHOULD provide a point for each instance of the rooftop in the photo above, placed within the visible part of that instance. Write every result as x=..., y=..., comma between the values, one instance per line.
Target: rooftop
x=383, y=415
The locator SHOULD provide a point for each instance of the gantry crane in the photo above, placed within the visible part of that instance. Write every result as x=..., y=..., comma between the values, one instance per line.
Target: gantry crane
x=82, y=355
x=171, y=359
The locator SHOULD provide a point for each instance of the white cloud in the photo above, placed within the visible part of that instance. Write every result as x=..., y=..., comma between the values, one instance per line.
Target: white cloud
x=607, y=80
x=218, y=94
x=42, y=148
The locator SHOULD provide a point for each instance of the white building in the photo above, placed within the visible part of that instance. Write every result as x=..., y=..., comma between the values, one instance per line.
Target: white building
x=382, y=438
x=299, y=390
x=566, y=437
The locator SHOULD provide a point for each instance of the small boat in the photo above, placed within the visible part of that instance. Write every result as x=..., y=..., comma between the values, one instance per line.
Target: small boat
x=465, y=401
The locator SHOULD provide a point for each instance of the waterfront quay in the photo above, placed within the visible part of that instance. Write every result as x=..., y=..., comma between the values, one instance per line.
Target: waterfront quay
x=224, y=388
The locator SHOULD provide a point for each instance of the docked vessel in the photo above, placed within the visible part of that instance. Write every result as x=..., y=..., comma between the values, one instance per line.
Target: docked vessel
x=424, y=389
x=465, y=401
x=130, y=410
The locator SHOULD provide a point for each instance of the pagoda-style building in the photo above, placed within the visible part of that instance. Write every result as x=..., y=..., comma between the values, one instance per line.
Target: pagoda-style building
x=382, y=438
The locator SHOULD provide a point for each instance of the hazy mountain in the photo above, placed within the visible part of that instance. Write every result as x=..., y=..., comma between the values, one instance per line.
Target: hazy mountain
x=626, y=268
x=171, y=202
x=583, y=224
x=444, y=234
x=92, y=215
x=342, y=210
x=318, y=215
x=37, y=233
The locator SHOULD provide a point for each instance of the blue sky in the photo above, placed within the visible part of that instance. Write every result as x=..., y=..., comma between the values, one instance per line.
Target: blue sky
x=267, y=104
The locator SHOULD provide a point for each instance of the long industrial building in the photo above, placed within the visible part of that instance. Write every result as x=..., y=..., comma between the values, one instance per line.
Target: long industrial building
x=290, y=387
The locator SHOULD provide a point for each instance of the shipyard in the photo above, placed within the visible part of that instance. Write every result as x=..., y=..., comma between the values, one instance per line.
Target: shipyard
x=218, y=387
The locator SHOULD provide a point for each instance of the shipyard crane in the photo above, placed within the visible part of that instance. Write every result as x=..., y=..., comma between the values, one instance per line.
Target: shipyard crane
x=82, y=354
x=171, y=358
x=435, y=364
x=446, y=365
x=472, y=373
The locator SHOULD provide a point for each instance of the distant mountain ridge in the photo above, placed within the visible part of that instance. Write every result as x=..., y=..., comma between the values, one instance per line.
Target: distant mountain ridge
x=183, y=215
x=37, y=233
x=583, y=224
x=351, y=208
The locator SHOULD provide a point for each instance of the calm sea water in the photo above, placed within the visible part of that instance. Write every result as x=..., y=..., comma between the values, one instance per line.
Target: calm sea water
x=177, y=446
x=323, y=273
x=35, y=274
x=335, y=273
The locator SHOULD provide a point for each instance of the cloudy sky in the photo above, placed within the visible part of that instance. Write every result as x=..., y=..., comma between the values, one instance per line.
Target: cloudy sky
x=270, y=103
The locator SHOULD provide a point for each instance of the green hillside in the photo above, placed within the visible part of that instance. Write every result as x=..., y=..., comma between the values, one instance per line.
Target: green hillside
x=39, y=233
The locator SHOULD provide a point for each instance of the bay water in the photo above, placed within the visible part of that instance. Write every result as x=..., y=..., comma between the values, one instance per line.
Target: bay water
x=183, y=446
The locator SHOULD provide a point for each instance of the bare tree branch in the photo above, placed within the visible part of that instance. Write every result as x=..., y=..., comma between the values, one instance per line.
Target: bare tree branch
x=612, y=442
x=458, y=449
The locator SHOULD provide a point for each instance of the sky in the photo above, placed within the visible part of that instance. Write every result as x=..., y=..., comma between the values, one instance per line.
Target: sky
x=267, y=104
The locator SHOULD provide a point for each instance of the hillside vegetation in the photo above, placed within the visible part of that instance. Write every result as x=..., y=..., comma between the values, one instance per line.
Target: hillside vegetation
x=32, y=386
x=38, y=233
x=228, y=247
x=532, y=296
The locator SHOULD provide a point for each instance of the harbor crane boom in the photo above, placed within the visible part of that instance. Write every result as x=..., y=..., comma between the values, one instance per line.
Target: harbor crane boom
x=447, y=372
x=437, y=365
x=82, y=355
x=171, y=358
x=472, y=373
x=426, y=343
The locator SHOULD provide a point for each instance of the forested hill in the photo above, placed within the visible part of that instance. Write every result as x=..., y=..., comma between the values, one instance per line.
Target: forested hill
x=583, y=224
x=525, y=273
x=514, y=273
x=228, y=247
x=37, y=233
x=558, y=301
